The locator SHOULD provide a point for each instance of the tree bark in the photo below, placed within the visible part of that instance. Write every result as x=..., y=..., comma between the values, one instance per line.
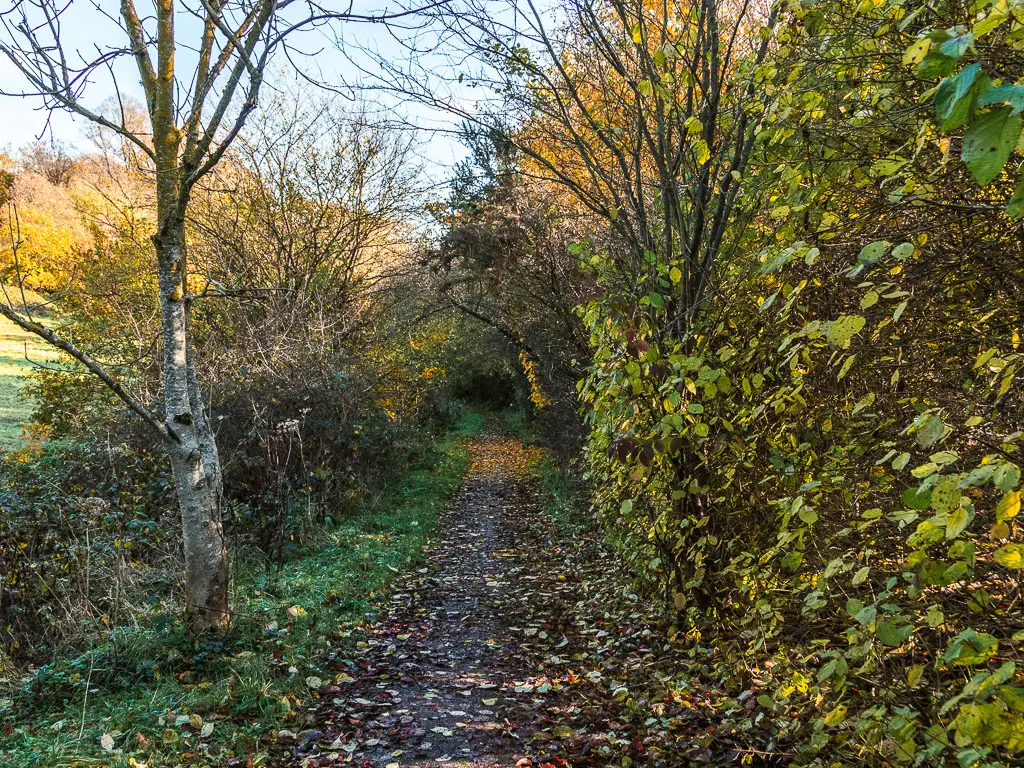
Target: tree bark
x=231, y=56
x=192, y=449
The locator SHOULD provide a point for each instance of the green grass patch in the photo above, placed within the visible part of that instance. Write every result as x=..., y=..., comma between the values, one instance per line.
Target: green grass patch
x=470, y=423
x=150, y=692
x=518, y=424
x=565, y=495
x=19, y=350
x=566, y=499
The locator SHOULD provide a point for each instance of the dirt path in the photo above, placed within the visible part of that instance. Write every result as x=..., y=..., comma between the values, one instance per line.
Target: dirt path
x=513, y=647
x=449, y=674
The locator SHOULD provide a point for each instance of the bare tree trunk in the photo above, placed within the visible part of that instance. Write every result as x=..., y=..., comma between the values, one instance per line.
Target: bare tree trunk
x=192, y=451
x=188, y=134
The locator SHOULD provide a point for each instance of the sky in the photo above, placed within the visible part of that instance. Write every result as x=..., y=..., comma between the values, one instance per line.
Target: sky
x=85, y=26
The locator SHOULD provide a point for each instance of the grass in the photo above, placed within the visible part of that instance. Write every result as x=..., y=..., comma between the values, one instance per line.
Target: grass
x=566, y=500
x=565, y=497
x=152, y=693
x=18, y=351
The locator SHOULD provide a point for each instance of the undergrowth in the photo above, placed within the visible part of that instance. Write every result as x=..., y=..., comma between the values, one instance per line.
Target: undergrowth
x=151, y=695
x=563, y=492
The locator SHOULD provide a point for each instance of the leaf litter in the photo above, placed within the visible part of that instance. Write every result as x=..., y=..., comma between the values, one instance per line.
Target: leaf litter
x=514, y=647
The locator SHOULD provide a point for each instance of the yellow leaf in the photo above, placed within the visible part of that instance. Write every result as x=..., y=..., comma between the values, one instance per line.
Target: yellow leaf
x=991, y=22
x=1011, y=556
x=702, y=151
x=836, y=716
x=916, y=53
x=914, y=675
x=1009, y=506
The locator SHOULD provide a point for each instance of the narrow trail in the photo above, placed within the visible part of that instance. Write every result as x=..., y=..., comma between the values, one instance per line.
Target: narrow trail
x=453, y=671
x=512, y=647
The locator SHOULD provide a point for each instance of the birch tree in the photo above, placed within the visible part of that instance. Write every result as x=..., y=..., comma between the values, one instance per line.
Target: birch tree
x=195, y=109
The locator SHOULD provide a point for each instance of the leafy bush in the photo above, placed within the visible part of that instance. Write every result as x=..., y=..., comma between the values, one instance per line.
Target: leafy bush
x=823, y=474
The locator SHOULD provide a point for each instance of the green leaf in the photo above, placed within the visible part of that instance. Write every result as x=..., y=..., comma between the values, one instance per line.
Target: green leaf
x=936, y=64
x=957, y=46
x=872, y=252
x=899, y=310
x=1015, y=208
x=901, y=461
x=943, y=458
x=866, y=615
x=844, y=328
x=915, y=498
x=954, y=99
x=970, y=648
x=914, y=675
x=837, y=668
x=864, y=402
x=1006, y=476
x=903, y=251
x=957, y=522
x=930, y=431
x=892, y=634
x=977, y=476
x=1005, y=94
x=946, y=496
x=847, y=364
x=989, y=142
x=809, y=516
x=702, y=151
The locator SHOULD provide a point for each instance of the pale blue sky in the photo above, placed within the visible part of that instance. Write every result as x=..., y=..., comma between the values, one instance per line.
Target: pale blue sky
x=85, y=26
